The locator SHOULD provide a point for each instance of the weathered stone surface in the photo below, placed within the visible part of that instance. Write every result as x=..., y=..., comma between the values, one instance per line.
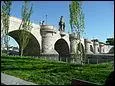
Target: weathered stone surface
x=87, y=46
x=45, y=37
x=99, y=58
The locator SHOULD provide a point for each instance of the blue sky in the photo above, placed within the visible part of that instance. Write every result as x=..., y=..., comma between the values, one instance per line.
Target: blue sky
x=99, y=16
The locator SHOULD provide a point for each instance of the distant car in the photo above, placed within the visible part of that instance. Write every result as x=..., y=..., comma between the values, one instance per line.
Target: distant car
x=13, y=52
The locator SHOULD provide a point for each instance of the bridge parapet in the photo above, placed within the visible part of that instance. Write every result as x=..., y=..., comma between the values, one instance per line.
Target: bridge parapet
x=47, y=27
x=88, y=41
x=96, y=43
x=73, y=36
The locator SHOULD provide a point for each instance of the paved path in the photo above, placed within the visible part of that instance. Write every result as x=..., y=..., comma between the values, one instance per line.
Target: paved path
x=11, y=80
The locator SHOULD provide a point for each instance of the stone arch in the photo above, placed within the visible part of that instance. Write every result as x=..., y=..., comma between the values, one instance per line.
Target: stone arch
x=91, y=48
x=61, y=46
x=33, y=46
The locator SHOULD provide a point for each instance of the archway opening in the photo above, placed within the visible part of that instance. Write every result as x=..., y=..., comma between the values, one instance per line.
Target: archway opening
x=91, y=48
x=13, y=46
x=32, y=48
x=62, y=48
x=81, y=50
x=98, y=49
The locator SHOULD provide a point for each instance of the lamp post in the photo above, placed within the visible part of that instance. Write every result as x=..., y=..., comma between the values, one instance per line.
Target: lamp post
x=46, y=19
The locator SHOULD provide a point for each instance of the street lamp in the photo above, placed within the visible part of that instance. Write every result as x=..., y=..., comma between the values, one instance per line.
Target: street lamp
x=46, y=19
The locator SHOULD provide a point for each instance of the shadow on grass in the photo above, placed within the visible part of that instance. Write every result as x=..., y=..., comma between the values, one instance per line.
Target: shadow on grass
x=16, y=57
x=48, y=70
x=19, y=68
x=32, y=63
x=45, y=68
x=19, y=62
x=35, y=64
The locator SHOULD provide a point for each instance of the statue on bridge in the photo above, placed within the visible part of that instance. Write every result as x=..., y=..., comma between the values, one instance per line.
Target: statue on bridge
x=61, y=24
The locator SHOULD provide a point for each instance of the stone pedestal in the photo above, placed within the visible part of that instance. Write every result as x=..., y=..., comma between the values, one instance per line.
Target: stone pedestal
x=62, y=33
x=47, y=33
x=101, y=48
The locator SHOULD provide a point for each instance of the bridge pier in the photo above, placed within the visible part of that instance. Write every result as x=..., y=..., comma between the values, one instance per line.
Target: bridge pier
x=47, y=33
x=101, y=48
x=87, y=47
x=73, y=43
x=73, y=46
x=96, y=46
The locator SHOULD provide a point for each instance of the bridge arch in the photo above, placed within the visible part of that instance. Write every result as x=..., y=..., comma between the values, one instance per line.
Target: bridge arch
x=33, y=46
x=61, y=46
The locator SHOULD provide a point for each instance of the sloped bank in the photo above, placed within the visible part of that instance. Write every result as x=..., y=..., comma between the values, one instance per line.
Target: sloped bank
x=48, y=72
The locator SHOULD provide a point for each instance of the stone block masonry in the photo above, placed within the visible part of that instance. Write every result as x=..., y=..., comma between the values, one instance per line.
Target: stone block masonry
x=46, y=39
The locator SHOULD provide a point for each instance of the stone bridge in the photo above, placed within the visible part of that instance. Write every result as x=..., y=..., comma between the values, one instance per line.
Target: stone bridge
x=47, y=40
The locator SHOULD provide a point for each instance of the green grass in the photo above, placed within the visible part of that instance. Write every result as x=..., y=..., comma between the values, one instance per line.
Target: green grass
x=46, y=72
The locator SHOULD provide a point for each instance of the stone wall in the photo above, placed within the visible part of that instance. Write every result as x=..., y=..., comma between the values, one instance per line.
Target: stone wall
x=99, y=58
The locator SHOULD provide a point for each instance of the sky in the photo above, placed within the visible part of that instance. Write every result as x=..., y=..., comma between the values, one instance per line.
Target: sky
x=99, y=16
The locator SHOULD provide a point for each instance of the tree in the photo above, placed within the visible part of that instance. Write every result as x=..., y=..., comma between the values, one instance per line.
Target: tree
x=77, y=24
x=110, y=41
x=25, y=26
x=5, y=14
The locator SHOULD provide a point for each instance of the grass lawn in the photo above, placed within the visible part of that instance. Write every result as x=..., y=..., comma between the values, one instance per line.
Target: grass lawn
x=46, y=72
